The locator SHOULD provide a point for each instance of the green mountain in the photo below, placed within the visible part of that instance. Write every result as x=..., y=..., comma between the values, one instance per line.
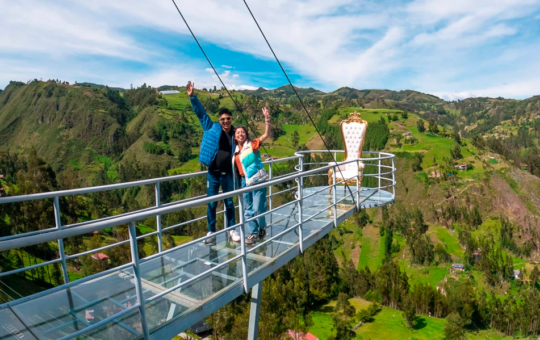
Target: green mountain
x=92, y=128
x=61, y=136
x=99, y=86
x=285, y=91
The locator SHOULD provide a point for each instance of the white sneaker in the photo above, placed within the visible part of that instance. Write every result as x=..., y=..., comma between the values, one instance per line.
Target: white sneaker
x=210, y=239
x=235, y=236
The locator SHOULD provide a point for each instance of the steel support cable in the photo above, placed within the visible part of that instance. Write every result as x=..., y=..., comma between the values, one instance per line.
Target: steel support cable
x=300, y=99
x=217, y=74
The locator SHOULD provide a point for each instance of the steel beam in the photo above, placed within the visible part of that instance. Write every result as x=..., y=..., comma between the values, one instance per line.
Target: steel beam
x=137, y=277
x=255, y=307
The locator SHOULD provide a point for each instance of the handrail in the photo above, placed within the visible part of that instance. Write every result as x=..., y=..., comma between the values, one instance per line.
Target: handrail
x=88, y=190
x=56, y=234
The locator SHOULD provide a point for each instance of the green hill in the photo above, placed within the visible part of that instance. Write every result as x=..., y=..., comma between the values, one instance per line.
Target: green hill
x=61, y=136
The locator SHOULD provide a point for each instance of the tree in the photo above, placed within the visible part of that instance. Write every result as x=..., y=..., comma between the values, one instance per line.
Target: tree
x=343, y=305
x=295, y=139
x=454, y=328
x=457, y=137
x=184, y=152
x=409, y=312
x=276, y=129
x=420, y=125
x=433, y=127
x=535, y=273
x=404, y=115
x=442, y=254
x=417, y=161
x=456, y=152
x=342, y=326
x=361, y=218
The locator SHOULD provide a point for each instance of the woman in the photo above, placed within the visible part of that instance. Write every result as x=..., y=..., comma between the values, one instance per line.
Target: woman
x=248, y=170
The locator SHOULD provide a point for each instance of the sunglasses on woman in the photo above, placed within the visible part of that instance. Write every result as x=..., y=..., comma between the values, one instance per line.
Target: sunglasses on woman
x=226, y=119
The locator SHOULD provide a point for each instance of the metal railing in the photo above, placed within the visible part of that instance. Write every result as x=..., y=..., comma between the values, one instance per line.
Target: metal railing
x=384, y=172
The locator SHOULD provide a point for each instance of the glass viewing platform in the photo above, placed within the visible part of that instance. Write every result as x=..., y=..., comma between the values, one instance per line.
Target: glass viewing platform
x=161, y=295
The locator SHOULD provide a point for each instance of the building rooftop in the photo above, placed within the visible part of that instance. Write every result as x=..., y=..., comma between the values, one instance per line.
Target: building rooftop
x=170, y=92
x=100, y=256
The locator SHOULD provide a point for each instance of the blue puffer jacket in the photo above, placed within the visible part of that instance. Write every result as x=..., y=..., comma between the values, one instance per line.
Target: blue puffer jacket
x=212, y=132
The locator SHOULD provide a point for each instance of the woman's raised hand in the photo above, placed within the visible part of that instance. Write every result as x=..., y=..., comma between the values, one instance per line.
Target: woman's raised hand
x=266, y=113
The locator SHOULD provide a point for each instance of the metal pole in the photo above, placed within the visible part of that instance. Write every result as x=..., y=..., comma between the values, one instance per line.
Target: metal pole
x=157, y=190
x=358, y=179
x=334, y=198
x=243, y=241
x=270, y=191
x=137, y=274
x=379, y=178
x=58, y=222
x=270, y=203
x=393, y=178
x=256, y=295
x=300, y=203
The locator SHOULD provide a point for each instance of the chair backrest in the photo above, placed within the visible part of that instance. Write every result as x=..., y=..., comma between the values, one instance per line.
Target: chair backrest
x=353, y=132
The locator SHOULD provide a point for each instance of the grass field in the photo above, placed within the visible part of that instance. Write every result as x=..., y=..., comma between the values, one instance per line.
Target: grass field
x=178, y=101
x=425, y=274
x=305, y=132
x=369, y=115
x=371, y=244
x=390, y=324
x=447, y=238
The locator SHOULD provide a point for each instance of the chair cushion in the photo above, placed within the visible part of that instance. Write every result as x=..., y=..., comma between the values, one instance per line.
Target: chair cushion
x=353, y=135
x=348, y=170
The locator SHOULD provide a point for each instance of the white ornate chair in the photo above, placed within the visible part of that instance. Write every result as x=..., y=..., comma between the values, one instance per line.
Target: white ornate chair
x=353, y=132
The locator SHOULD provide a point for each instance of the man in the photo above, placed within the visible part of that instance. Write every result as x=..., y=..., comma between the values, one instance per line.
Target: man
x=217, y=149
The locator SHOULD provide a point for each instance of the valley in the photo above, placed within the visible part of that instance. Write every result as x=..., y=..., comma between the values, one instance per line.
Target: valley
x=468, y=192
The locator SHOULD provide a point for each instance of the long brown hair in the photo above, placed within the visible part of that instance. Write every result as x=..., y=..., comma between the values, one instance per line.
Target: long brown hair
x=245, y=130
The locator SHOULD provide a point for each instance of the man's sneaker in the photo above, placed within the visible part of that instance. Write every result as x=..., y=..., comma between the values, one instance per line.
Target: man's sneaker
x=235, y=236
x=262, y=232
x=252, y=238
x=210, y=239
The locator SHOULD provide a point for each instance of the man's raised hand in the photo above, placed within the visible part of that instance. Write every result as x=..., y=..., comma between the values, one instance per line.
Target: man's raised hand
x=189, y=88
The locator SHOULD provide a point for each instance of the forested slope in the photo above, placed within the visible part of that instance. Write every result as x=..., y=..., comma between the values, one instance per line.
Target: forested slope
x=393, y=265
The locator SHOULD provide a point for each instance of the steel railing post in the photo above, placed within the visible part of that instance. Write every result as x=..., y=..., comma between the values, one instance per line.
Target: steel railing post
x=243, y=241
x=157, y=189
x=393, y=178
x=358, y=179
x=137, y=277
x=58, y=223
x=334, y=193
x=379, y=178
x=270, y=191
x=300, y=204
x=271, y=204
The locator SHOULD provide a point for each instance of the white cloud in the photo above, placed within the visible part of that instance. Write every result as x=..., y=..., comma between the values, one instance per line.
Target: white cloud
x=519, y=89
x=427, y=45
x=455, y=95
x=243, y=87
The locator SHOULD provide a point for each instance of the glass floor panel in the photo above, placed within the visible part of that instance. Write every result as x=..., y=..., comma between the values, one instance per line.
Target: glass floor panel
x=69, y=310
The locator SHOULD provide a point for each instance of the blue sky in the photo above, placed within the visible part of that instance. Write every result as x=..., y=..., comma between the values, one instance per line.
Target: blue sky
x=453, y=49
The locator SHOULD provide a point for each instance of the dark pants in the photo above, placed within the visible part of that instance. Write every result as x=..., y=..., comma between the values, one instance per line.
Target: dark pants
x=213, y=181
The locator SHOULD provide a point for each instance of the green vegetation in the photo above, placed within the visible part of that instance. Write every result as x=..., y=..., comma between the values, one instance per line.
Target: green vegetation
x=372, y=251
x=93, y=135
